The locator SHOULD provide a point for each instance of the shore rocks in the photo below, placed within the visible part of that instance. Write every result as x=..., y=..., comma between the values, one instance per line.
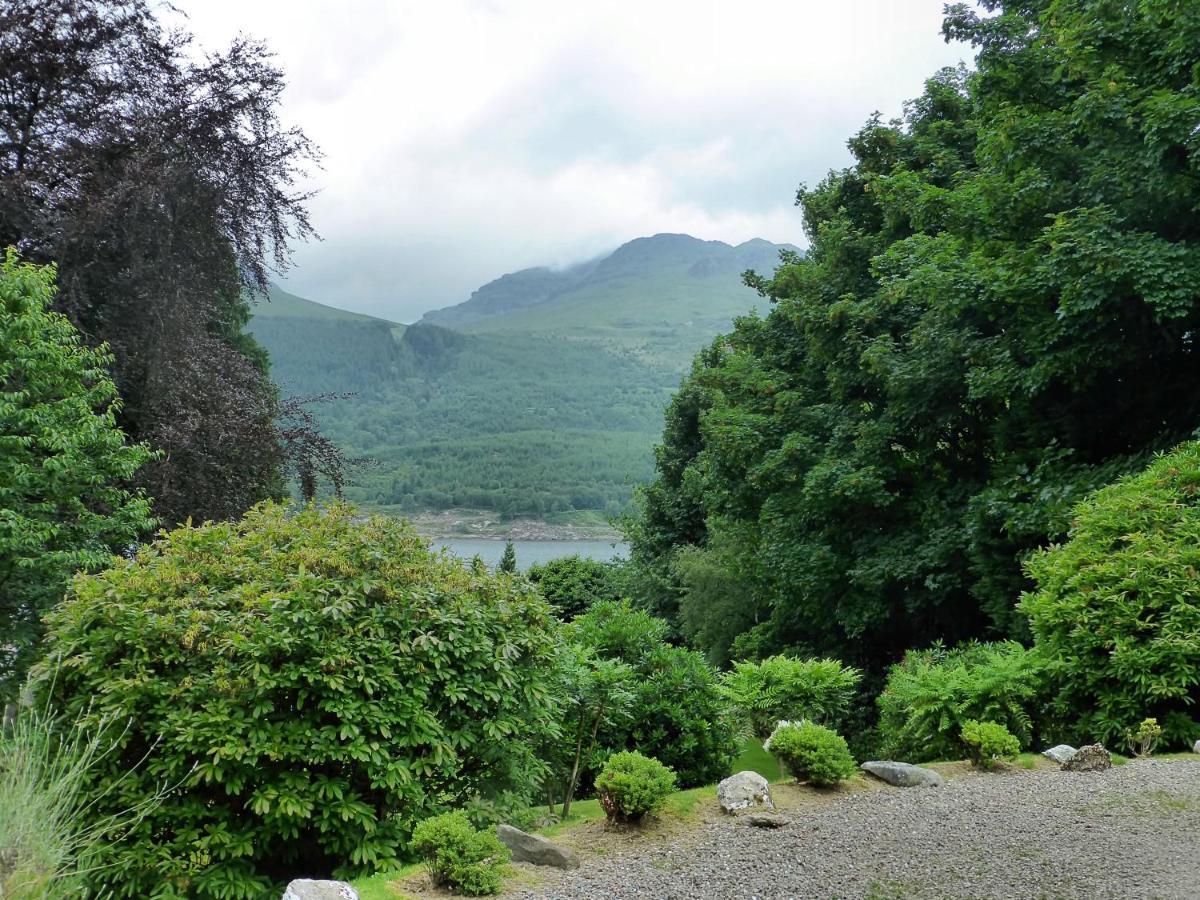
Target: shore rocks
x=532, y=848
x=310, y=889
x=743, y=791
x=1092, y=758
x=1060, y=754
x=901, y=774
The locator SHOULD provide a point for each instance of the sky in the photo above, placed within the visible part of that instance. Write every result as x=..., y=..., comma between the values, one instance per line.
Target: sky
x=464, y=139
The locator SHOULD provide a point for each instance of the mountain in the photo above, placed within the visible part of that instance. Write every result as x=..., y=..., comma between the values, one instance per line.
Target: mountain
x=661, y=297
x=542, y=395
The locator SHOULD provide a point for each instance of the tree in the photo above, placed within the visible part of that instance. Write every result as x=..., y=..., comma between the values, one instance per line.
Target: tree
x=571, y=584
x=508, y=560
x=164, y=186
x=996, y=316
x=63, y=507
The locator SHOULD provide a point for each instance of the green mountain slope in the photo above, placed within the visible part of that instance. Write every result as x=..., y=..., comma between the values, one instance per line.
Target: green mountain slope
x=661, y=297
x=544, y=397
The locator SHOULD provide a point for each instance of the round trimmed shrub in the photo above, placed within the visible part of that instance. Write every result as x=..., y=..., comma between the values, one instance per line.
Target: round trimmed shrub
x=1116, y=613
x=311, y=683
x=632, y=786
x=459, y=856
x=989, y=743
x=812, y=753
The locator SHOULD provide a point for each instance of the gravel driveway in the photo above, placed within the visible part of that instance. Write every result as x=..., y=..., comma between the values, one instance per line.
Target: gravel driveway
x=1131, y=832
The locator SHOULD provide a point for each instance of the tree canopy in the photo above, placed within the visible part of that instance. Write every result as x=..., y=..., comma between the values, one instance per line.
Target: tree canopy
x=63, y=506
x=997, y=314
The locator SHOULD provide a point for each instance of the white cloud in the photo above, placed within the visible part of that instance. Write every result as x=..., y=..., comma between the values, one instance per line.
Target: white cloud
x=466, y=138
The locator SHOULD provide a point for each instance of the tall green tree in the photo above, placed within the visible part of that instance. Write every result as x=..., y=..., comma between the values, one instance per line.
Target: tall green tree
x=997, y=314
x=508, y=559
x=62, y=504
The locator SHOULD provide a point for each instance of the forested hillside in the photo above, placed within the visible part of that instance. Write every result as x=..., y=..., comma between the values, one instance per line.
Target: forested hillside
x=545, y=398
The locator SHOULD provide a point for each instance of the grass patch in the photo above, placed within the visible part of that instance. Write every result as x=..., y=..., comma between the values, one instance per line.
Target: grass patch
x=386, y=885
x=754, y=758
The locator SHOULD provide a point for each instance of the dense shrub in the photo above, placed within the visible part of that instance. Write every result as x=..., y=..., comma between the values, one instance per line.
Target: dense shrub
x=1116, y=613
x=571, y=584
x=989, y=743
x=1144, y=740
x=677, y=712
x=632, y=786
x=784, y=688
x=812, y=753
x=932, y=693
x=460, y=857
x=314, y=683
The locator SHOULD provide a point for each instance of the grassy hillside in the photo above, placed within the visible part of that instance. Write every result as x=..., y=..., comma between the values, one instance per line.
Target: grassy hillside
x=660, y=297
x=542, y=396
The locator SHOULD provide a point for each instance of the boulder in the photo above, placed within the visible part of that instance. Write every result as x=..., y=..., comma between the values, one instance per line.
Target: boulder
x=1196, y=747
x=1060, y=754
x=764, y=820
x=309, y=889
x=1092, y=758
x=902, y=774
x=532, y=848
x=743, y=791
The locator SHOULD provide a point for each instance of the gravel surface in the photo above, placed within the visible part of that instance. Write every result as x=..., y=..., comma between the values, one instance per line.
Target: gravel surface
x=1132, y=832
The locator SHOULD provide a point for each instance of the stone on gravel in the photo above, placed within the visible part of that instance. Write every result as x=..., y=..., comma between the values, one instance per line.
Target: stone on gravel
x=744, y=790
x=1196, y=747
x=532, y=848
x=1092, y=758
x=1060, y=754
x=309, y=889
x=902, y=774
x=765, y=820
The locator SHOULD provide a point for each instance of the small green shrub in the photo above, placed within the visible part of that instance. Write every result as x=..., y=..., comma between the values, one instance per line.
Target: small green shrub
x=782, y=688
x=315, y=682
x=459, y=856
x=932, y=693
x=1116, y=612
x=632, y=786
x=989, y=743
x=812, y=753
x=1143, y=741
x=571, y=584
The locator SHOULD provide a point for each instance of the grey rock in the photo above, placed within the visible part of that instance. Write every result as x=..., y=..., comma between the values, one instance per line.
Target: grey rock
x=1196, y=747
x=765, y=820
x=532, y=848
x=902, y=774
x=743, y=791
x=309, y=889
x=1092, y=758
x=1060, y=754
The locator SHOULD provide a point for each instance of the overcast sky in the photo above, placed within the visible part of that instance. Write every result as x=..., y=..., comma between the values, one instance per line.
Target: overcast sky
x=468, y=138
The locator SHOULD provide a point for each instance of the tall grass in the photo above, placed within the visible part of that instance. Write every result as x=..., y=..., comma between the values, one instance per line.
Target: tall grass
x=48, y=835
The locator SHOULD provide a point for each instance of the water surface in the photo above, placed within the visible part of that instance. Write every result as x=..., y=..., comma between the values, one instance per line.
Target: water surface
x=530, y=552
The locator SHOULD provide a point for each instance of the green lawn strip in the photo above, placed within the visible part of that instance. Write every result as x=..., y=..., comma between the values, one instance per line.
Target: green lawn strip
x=755, y=759
x=381, y=886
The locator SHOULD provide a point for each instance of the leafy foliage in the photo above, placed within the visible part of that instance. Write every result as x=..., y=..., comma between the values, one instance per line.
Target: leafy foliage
x=784, y=688
x=317, y=684
x=989, y=743
x=677, y=713
x=812, y=753
x=164, y=184
x=632, y=786
x=459, y=857
x=1143, y=741
x=931, y=694
x=876, y=456
x=571, y=584
x=1116, y=612
x=63, y=506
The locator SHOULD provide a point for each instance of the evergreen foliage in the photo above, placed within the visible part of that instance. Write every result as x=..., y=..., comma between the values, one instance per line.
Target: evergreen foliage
x=460, y=857
x=812, y=753
x=63, y=504
x=989, y=743
x=314, y=684
x=571, y=584
x=1116, y=612
x=633, y=786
